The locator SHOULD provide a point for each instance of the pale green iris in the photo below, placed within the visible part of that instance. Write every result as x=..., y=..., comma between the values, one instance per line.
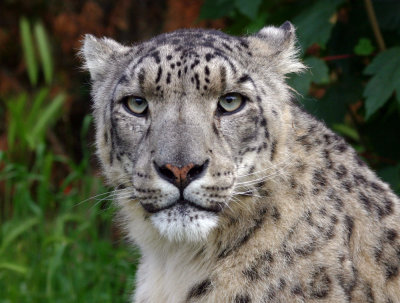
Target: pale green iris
x=230, y=102
x=137, y=105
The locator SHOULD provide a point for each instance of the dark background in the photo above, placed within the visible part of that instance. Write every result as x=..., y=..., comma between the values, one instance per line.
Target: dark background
x=58, y=242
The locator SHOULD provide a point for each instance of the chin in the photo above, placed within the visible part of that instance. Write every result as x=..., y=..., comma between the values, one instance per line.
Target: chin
x=184, y=223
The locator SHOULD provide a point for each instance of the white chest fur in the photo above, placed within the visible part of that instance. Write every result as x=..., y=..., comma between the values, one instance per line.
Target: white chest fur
x=167, y=275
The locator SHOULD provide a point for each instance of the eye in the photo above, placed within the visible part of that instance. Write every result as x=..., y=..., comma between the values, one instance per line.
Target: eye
x=135, y=105
x=231, y=103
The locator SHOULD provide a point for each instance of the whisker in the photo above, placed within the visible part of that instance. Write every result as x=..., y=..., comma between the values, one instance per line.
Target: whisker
x=93, y=198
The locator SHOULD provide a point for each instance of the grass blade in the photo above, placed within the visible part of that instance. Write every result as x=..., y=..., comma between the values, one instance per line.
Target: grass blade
x=14, y=267
x=29, y=51
x=14, y=233
x=54, y=263
x=15, y=127
x=45, y=119
x=34, y=112
x=44, y=52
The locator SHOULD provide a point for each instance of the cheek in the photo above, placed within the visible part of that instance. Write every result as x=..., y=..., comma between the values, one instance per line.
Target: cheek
x=129, y=134
x=241, y=131
x=127, y=141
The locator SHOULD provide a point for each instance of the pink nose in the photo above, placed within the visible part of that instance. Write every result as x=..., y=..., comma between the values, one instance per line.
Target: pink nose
x=180, y=173
x=181, y=176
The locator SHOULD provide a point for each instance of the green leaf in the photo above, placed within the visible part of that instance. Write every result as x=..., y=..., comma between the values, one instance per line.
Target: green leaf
x=314, y=24
x=319, y=70
x=29, y=51
x=248, y=8
x=214, y=9
x=44, y=52
x=300, y=83
x=385, y=69
x=346, y=131
x=364, y=47
x=318, y=73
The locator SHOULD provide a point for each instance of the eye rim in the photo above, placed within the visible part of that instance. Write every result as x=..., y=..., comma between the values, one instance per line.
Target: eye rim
x=221, y=111
x=125, y=101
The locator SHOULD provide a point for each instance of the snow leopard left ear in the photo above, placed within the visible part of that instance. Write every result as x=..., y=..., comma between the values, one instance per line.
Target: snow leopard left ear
x=96, y=54
x=278, y=44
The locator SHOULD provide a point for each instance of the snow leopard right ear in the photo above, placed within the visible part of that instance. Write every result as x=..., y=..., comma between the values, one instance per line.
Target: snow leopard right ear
x=96, y=54
x=279, y=45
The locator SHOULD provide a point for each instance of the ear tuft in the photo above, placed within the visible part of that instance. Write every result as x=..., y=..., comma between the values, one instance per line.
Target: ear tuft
x=279, y=44
x=96, y=53
x=278, y=37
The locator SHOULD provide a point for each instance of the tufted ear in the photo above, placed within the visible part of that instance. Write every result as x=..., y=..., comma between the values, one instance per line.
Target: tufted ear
x=96, y=54
x=279, y=44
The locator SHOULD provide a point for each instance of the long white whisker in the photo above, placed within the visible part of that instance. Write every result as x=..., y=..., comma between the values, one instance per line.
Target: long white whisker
x=94, y=198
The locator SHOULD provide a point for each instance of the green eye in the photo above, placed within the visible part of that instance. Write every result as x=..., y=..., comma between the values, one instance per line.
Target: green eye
x=136, y=105
x=230, y=103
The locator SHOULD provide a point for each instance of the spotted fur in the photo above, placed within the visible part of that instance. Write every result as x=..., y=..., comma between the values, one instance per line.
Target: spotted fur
x=281, y=210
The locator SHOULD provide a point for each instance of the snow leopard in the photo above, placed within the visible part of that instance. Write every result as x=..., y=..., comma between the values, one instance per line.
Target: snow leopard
x=230, y=189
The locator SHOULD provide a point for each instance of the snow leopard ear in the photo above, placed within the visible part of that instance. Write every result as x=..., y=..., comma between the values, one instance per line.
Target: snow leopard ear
x=279, y=44
x=96, y=54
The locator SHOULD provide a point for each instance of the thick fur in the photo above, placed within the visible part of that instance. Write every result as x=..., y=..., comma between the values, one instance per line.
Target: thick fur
x=285, y=211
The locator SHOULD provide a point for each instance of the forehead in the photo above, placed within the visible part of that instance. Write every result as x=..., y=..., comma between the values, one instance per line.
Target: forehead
x=195, y=40
x=190, y=58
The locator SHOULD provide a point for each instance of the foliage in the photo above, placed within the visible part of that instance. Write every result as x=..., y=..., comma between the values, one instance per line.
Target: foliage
x=385, y=69
x=314, y=23
x=57, y=239
x=350, y=85
x=56, y=244
x=29, y=119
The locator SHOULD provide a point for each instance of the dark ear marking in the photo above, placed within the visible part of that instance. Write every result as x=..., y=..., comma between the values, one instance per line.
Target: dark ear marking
x=286, y=26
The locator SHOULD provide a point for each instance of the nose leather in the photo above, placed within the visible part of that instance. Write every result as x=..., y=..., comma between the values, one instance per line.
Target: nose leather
x=180, y=173
x=181, y=176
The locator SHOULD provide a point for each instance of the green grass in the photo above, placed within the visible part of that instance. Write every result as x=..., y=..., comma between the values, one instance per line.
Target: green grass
x=54, y=245
x=57, y=238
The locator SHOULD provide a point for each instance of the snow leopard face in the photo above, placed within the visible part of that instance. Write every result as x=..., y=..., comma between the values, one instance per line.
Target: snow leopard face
x=183, y=118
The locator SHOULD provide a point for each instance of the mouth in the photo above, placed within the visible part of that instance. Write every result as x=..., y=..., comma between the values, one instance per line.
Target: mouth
x=182, y=205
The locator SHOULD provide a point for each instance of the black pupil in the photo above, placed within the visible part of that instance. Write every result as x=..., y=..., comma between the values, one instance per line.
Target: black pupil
x=229, y=99
x=139, y=101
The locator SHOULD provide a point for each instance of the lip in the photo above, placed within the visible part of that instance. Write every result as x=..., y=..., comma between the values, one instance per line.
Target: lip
x=217, y=207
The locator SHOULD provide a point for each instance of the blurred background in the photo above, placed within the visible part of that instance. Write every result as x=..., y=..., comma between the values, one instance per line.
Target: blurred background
x=58, y=242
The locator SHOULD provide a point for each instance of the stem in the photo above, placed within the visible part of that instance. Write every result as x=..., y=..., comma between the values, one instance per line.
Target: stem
x=374, y=24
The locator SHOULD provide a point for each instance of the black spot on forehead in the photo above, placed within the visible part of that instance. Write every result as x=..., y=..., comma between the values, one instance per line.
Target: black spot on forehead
x=195, y=37
x=190, y=43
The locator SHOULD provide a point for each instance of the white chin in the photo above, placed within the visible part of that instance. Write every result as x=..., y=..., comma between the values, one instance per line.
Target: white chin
x=184, y=223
